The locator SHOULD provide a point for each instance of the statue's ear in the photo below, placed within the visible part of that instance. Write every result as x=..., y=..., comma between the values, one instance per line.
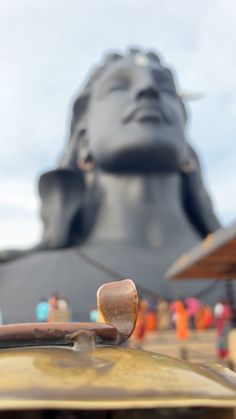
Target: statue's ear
x=79, y=110
x=78, y=133
x=78, y=150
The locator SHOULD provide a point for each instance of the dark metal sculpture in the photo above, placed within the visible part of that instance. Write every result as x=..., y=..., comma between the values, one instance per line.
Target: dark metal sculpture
x=128, y=196
x=128, y=126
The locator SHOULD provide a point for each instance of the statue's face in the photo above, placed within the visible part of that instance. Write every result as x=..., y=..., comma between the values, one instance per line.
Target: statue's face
x=136, y=121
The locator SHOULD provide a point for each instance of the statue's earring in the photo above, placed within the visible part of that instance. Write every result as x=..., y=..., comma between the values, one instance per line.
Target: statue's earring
x=86, y=162
x=188, y=166
x=85, y=159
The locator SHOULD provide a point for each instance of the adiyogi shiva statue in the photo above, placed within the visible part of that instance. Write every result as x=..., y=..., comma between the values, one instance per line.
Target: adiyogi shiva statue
x=126, y=200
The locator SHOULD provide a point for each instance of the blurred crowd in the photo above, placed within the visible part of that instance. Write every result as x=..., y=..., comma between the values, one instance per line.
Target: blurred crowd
x=182, y=316
x=53, y=309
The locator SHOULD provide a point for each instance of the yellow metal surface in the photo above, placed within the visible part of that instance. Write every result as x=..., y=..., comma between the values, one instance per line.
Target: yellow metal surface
x=108, y=378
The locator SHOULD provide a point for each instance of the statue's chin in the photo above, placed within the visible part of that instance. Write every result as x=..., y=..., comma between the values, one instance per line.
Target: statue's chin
x=142, y=160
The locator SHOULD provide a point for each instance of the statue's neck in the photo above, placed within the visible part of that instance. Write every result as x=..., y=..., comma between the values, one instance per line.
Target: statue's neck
x=141, y=209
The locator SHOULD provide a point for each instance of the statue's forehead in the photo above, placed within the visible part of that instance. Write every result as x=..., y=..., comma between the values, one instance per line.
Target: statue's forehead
x=129, y=64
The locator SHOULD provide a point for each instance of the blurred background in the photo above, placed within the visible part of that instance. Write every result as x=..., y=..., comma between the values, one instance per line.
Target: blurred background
x=47, y=48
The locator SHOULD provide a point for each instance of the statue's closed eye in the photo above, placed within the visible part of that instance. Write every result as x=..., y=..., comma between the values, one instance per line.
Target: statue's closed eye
x=115, y=84
x=117, y=87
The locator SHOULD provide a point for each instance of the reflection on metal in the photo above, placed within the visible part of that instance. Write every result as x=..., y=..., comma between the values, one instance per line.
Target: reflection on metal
x=108, y=378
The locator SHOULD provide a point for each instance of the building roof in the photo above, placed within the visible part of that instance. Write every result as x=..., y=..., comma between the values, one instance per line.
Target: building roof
x=214, y=257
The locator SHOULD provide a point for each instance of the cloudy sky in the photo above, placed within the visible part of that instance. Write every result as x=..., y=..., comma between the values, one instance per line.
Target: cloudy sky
x=48, y=46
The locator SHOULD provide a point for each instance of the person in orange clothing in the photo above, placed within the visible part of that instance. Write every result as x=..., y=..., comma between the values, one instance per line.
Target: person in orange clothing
x=181, y=320
x=200, y=318
x=208, y=317
x=140, y=327
x=52, y=301
x=151, y=317
x=204, y=318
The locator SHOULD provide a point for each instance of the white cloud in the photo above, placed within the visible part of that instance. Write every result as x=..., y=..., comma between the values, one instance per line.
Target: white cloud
x=19, y=195
x=18, y=214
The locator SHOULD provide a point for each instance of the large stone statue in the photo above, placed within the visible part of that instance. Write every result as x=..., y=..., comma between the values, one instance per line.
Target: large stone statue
x=126, y=199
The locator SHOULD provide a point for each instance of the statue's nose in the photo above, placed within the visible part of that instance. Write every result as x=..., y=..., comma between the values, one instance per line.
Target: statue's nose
x=146, y=87
x=148, y=92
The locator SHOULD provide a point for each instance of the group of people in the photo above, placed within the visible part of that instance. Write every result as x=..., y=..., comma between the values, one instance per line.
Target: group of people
x=53, y=309
x=182, y=315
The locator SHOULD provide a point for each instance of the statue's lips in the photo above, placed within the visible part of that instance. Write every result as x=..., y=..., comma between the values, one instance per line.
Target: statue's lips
x=145, y=113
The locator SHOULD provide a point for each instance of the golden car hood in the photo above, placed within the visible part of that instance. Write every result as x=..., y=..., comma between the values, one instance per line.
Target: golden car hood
x=108, y=378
